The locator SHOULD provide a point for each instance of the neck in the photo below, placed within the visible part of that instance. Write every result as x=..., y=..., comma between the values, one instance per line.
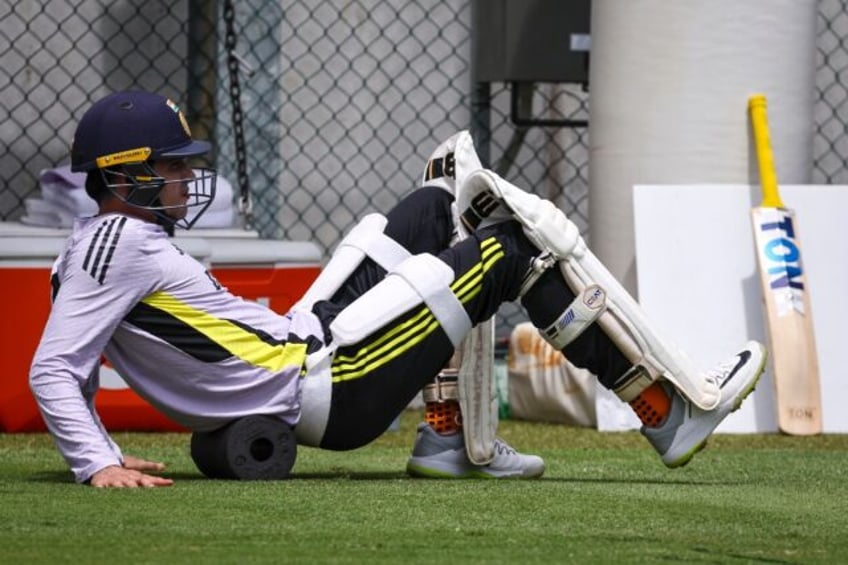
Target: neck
x=116, y=206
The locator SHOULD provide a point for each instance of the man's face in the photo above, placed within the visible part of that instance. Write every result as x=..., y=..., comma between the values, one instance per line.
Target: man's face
x=174, y=194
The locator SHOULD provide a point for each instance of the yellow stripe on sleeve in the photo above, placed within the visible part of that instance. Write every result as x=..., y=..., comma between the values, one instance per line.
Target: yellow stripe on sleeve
x=243, y=344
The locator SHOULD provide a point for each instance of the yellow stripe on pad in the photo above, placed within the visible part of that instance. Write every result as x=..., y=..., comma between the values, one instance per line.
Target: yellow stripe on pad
x=408, y=334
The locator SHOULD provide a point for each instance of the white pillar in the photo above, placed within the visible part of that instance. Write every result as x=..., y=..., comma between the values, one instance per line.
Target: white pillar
x=669, y=82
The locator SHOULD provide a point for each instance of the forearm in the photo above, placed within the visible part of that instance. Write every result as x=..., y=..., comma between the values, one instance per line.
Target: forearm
x=75, y=430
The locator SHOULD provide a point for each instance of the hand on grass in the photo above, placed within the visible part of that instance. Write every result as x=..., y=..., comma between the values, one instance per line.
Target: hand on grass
x=131, y=475
x=138, y=464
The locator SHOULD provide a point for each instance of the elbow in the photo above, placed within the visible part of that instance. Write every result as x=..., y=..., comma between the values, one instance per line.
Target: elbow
x=40, y=379
x=36, y=378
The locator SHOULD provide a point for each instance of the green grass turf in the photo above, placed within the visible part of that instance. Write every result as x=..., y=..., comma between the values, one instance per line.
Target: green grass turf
x=605, y=498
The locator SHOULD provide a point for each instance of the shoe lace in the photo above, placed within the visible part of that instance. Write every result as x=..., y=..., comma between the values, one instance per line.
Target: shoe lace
x=719, y=373
x=503, y=448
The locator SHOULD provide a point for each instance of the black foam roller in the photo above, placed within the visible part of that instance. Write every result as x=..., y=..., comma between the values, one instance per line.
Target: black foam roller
x=253, y=448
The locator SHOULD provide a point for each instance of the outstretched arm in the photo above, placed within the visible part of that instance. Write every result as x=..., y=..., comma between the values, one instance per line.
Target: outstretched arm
x=89, y=303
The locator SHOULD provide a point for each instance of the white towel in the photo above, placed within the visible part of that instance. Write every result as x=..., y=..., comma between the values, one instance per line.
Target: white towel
x=64, y=198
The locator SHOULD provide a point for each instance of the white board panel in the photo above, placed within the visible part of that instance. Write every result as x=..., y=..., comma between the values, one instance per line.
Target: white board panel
x=698, y=281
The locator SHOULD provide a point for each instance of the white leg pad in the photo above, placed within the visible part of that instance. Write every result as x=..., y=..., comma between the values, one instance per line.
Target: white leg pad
x=316, y=393
x=624, y=321
x=478, y=399
x=486, y=198
x=420, y=279
x=447, y=168
x=366, y=239
x=449, y=165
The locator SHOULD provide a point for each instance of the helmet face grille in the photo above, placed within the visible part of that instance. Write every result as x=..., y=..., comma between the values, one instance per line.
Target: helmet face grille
x=140, y=186
x=201, y=193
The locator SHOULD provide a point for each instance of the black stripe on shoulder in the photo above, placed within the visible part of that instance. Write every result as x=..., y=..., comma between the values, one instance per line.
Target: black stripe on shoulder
x=111, y=249
x=93, y=246
x=102, y=247
x=104, y=239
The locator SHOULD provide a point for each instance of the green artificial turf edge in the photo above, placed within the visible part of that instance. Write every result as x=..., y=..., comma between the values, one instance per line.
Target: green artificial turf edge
x=605, y=497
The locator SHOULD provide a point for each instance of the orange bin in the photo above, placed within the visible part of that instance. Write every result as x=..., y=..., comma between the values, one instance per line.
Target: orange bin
x=275, y=273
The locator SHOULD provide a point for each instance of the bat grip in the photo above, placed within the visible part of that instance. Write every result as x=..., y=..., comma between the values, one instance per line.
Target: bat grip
x=765, y=157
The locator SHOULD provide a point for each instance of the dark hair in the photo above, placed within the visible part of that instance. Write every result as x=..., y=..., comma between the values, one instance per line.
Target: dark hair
x=95, y=185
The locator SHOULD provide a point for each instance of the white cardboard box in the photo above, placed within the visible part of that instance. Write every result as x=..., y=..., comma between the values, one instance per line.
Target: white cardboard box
x=698, y=281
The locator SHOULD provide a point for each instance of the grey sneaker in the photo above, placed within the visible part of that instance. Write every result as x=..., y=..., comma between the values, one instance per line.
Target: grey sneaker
x=687, y=427
x=438, y=456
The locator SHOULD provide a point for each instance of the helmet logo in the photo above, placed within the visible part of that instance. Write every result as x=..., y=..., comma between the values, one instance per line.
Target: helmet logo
x=180, y=115
x=138, y=155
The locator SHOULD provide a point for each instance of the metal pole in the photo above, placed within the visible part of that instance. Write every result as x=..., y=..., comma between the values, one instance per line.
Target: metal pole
x=203, y=70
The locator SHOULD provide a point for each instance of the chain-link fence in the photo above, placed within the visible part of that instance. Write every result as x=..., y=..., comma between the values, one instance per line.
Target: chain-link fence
x=342, y=101
x=56, y=58
x=830, y=152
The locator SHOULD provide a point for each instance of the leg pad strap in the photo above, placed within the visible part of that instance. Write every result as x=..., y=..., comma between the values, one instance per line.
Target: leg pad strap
x=627, y=326
x=365, y=239
x=421, y=279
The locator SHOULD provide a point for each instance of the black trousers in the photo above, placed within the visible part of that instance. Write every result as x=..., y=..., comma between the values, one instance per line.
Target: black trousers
x=375, y=379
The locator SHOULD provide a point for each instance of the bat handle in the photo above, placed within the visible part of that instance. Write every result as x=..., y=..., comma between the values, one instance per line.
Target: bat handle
x=765, y=158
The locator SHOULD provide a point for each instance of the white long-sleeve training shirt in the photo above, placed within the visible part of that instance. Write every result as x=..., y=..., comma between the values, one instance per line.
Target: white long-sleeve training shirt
x=179, y=339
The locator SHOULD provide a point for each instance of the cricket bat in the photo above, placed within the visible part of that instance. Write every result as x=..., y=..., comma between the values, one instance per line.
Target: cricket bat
x=786, y=296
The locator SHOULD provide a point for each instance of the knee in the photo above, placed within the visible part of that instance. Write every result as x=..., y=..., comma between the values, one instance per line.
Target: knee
x=423, y=220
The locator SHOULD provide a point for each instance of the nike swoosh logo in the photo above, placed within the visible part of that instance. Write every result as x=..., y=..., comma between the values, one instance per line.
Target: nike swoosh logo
x=744, y=356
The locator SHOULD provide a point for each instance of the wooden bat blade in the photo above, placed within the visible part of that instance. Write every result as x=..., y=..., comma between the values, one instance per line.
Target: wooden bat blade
x=789, y=321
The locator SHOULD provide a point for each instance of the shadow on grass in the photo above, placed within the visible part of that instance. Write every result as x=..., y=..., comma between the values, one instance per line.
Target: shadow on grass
x=51, y=477
x=328, y=475
x=646, y=481
x=64, y=477
x=67, y=477
x=725, y=556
